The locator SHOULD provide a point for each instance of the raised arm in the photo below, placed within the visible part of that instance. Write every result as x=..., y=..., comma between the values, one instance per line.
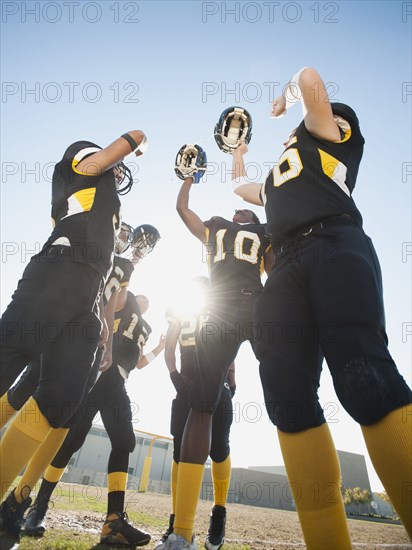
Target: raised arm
x=190, y=219
x=249, y=192
x=307, y=86
x=99, y=162
x=151, y=355
x=172, y=337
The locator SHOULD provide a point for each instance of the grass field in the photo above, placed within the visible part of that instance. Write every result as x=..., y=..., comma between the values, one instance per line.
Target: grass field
x=76, y=516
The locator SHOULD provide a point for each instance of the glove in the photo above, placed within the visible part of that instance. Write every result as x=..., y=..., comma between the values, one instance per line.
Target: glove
x=191, y=161
x=232, y=390
x=181, y=383
x=233, y=127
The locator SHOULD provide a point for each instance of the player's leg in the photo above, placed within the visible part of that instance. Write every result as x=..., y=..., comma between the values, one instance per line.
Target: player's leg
x=20, y=328
x=13, y=400
x=35, y=521
x=290, y=366
x=64, y=368
x=54, y=461
x=215, y=352
x=44, y=300
x=367, y=382
x=179, y=413
x=117, y=419
x=221, y=470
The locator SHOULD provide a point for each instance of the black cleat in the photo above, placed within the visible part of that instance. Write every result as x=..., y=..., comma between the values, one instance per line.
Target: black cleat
x=169, y=530
x=117, y=531
x=35, y=525
x=216, y=533
x=11, y=517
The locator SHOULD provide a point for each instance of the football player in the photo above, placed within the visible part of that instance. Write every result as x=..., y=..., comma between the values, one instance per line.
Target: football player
x=327, y=281
x=141, y=241
x=109, y=397
x=238, y=252
x=138, y=243
x=53, y=312
x=183, y=328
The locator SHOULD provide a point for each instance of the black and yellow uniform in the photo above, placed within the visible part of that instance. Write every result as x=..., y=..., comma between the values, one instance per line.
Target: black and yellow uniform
x=323, y=297
x=21, y=391
x=223, y=416
x=119, y=276
x=85, y=209
x=53, y=310
x=236, y=262
x=314, y=179
x=109, y=397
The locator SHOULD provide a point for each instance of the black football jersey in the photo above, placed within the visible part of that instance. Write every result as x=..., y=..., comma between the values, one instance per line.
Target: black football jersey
x=130, y=334
x=85, y=209
x=235, y=256
x=119, y=276
x=187, y=340
x=313, y=179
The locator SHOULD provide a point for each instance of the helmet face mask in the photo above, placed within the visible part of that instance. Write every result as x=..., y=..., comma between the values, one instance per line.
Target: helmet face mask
x=145, y=238
x=234, y=126
x=124, y=178
x=124, y=238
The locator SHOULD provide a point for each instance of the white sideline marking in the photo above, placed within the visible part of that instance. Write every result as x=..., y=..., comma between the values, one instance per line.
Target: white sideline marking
x=302, y=544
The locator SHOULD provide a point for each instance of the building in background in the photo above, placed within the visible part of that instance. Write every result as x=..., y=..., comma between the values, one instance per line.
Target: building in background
x=265, y=486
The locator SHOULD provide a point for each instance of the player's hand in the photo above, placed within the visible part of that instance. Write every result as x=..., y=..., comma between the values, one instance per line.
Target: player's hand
x=278, y=107
x=162, y=341
x=181, y=383
x=107, y=360
x=241, y=150
x=104, y=334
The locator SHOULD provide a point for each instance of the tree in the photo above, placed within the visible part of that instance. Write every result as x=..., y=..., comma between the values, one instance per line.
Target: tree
x=356, y=495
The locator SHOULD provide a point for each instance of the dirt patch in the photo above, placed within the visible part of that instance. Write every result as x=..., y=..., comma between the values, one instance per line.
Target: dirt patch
x=259, y=528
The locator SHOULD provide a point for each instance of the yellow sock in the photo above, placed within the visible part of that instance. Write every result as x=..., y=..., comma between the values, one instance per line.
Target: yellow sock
x=6, y=410
x=175, y=470
x=116, y=481
x=20, y=441
x=221, y=479
x=40, y=460
x=314, y=476
x=53, y=474
x=189, y=484
x=389, y=443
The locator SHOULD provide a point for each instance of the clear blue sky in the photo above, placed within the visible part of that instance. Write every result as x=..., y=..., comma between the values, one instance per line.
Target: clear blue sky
x=98, y=69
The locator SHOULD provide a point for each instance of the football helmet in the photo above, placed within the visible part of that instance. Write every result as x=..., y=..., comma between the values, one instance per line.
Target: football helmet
x=233, y=126
x=344, y=111
x=124, y=178
x=145, y=238
x=124, y=238
x=191, y=161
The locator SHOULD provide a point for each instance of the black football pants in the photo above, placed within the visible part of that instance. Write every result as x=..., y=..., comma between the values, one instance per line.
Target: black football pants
x=52, y=315
x=323, y=298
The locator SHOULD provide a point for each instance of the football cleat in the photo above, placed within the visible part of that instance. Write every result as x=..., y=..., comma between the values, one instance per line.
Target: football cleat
x=176, y=542
x=11, y=516
x=216, y=533
x=35, y=525
x=116, y=530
